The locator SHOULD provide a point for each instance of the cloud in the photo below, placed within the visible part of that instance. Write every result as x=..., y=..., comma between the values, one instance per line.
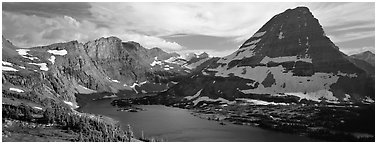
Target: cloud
x=151, y=42
x=29, y=31
x=237, y=21
x=214, y=19
x=350, y=36
x=49, y=9
x=30, y=24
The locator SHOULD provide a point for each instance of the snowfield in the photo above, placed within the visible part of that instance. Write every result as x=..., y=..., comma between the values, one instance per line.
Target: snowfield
x=43, y=66
x=5, y=68
x=58, y=52
x=71, y=104
x=267, y=59
x=38, y=108
x=259, y=34
x=52, y=59
x=313, y=87
x=84, y=90
x=16, y=90
x=259, y=102
x=23, y=53
x=7, y=63
x=111, y=96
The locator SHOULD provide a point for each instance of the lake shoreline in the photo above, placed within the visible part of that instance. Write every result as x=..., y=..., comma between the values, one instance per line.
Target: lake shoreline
x=192, y=125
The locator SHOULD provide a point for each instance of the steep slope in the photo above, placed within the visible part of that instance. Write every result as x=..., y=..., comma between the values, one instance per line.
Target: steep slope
x=369, y=68
x=61, y=70
x=40, y=84
x=289, y=59
x=365, y=56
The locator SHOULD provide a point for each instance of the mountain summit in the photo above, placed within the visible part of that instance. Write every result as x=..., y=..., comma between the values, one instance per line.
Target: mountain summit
x=290, y=56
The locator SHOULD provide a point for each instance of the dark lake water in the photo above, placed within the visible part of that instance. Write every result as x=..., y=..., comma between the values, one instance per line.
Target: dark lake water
x=175, y=124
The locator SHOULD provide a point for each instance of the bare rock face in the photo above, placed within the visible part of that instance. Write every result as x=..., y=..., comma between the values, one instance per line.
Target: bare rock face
x=289, y=56
x=57, y=72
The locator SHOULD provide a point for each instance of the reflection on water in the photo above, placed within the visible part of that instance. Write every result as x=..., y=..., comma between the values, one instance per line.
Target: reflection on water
x=175, y=124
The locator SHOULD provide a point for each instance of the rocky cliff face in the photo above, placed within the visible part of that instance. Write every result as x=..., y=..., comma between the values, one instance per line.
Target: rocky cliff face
x=58, y=71
x=289, y=59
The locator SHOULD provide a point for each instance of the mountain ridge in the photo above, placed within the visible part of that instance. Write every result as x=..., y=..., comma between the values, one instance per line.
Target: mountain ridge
x=289, y=56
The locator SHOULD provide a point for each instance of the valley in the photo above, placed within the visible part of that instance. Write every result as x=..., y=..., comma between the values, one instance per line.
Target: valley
x=288, y=82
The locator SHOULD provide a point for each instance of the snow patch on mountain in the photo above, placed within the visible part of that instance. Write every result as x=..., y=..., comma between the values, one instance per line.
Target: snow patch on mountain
x=24, y=54
x=137, y=84
x=259, y=102
x=252, y=42
x=238, y=55
x=267, y=59
x=52, y=59
x=39, y=108
x=43, y=66
x=354, y=75
x=156, y=62
x=70, y=103
x=368, y=100
x=205, y=98
x=281, y=35
x=110, y=96
x=16, y=90
x=316, y=96
x=194, y=96
x=259, y=34
x=84, y=90
x=7, y=63
x=58, y=52
x=347, y=98
x=284, y=81
x=5, y=68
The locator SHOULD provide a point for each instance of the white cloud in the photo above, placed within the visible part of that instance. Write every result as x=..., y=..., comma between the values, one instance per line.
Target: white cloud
x=151, y=42
x=214, y=19
x=235, y=20
x=147, y=22
x=29, y=31
x=333, y=14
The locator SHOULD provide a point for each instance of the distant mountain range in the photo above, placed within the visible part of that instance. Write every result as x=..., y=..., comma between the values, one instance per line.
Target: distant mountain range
x=58, y=71
x=365, y=56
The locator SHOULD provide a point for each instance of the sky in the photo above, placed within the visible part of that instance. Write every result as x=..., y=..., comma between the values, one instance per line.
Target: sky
x=216, y=28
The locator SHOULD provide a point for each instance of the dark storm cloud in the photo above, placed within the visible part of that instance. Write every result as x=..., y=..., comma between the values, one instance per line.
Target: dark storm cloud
x=75, y=9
